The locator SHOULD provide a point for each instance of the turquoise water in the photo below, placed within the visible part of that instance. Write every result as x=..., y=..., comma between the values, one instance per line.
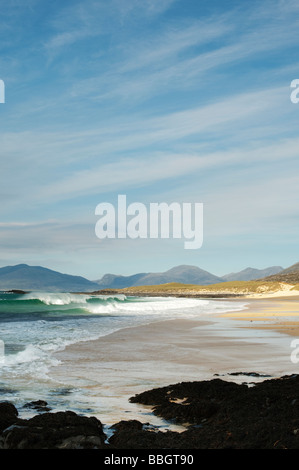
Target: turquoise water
x=36, y=325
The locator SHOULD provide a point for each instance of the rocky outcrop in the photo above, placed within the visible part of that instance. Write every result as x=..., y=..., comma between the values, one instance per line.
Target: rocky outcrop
x=217, y=414
x=61, y=430
x=8, y=415
x=221, y=414
x=135, y=435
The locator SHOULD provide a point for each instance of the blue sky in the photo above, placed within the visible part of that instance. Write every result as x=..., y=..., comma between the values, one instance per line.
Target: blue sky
x=169, y=100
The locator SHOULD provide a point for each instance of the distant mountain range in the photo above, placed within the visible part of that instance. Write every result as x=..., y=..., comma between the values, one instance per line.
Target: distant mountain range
x=290, y=275
x=25, y=277
x=183, y=274
x=250, y=274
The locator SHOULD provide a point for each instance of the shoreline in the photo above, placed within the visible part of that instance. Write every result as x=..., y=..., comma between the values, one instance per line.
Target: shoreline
x=176, y=384
x=279, y=313
x=228, y=290
x=132, y=360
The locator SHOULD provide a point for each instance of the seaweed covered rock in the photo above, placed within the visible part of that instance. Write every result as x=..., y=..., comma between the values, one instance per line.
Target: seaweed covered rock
x=217, y=414
x=8, y=415
x=222, y=414
x=61, y=430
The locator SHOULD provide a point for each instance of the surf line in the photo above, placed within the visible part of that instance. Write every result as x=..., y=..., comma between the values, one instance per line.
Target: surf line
x=162, y=220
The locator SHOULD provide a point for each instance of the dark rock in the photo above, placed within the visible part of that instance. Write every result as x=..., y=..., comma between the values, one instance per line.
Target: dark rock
x=131, y=435
x=61, y=430
x=39, y=405
x=131, y=425
x=218, y=415
x=17, y=291
x=8, y=415
x=247, y=374
x=228, y=415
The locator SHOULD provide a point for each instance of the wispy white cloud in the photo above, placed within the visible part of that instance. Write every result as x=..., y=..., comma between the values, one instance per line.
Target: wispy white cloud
x=131, y=95
x=129, y=173
x=16, y=224
x=65, y=39
x=95, y=18
x=181, y=55
x=56, y=154
x=28, y=241
x=172, y=42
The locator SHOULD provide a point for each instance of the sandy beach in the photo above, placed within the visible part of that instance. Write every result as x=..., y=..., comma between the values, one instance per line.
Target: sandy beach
x=278, y=312
x=115, y=367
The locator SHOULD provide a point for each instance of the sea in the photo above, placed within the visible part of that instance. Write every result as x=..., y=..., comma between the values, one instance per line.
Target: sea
x=35, y=326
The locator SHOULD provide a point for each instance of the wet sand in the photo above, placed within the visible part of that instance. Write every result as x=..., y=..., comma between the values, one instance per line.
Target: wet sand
x=114, y=368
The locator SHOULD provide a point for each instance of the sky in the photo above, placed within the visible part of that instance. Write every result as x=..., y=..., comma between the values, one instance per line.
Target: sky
x=184, y=101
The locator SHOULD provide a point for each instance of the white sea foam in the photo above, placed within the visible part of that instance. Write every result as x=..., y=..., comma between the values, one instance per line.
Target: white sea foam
x=164, y=306
x=103, y=304
x=56, y=298
x=34, y=331
x=50, y=298
x=32, y=340
x=29, y=354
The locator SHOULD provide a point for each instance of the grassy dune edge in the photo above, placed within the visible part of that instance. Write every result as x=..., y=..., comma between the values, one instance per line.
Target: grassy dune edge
x=232, y=288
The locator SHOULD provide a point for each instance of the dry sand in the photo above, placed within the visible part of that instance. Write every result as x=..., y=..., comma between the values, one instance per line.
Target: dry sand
x=116, y=367
x=278, y=312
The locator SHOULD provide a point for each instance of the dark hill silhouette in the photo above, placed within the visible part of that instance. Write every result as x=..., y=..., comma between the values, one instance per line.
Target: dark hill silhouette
x=290, y=275
x=183, y=274
x=25, y=277
x=250, y=274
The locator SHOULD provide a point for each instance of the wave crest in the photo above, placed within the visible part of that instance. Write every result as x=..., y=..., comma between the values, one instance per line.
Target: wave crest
x=67, y=299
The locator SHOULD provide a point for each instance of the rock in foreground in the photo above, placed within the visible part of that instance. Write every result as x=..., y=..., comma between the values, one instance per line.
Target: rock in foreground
x=61, y=430
x=218, y=415
x=222, y=414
